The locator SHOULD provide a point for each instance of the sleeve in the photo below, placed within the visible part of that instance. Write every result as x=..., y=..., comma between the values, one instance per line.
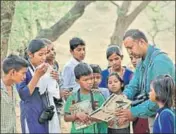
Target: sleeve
x=148, y=108
x=66, y=77
x=133, y=87
x=23, y=89
x=167, y=122
x=68, y=104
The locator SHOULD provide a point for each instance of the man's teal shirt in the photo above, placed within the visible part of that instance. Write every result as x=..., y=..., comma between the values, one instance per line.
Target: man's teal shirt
x=152, y=66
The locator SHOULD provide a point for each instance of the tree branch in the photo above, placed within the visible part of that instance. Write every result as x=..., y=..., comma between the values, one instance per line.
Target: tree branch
x=115, y=4
x=65, y=22
x=137, y=10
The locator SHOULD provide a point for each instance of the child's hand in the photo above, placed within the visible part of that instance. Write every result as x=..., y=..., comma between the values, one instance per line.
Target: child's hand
x=111, y=122
x=41, y=69
x=122, y=121
x=83, y=117
x=54, y=75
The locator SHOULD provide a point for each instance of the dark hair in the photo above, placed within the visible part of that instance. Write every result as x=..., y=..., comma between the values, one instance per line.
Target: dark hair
x=13, y=62
x=164, y=87
x=112, y=48
x=34, y=46
x=135, y=34
x=75, y=42
x=82, y=69
x=95, y=68
x=118, y=77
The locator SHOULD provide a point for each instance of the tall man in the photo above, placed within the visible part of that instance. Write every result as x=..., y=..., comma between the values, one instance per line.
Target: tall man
x=154, y=62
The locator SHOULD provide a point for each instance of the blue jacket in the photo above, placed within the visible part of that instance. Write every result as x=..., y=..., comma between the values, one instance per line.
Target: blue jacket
x=154, y=64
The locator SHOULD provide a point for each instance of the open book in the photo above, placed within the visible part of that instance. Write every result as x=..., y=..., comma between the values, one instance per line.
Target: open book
x=108, y=108
x=83, y=106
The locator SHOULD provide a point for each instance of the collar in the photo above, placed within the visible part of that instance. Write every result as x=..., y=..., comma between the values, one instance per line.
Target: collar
x=74, y=61
x=161, y=109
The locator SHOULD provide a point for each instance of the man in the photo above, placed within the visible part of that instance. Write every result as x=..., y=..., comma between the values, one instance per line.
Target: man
x=14, y=68
x=153, y=63
x=77, y=50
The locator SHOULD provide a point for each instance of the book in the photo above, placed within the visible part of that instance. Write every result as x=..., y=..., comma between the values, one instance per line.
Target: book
x=83, y=106
x=107, y=111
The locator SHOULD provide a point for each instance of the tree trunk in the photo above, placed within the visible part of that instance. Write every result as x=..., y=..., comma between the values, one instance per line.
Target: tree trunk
x=123, y=21
x=7, y=13
x=55, y=31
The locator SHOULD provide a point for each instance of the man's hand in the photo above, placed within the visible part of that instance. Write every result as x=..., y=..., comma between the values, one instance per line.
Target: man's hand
x=64, y=93
x=122, y=121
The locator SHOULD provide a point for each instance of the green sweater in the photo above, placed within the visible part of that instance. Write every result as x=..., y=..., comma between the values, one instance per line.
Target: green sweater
x=154, y=64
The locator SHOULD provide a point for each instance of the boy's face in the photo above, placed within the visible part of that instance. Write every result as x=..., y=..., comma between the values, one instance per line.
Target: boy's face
x=79, y=52
x=152, y=94
x=97, y=80
x=18, y=76
x=114, y=84
x=86, y=82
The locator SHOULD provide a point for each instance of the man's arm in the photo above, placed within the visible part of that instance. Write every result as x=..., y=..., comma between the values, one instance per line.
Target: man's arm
x=133, y=87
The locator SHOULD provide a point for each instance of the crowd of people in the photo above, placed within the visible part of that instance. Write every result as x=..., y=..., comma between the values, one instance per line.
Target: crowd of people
x=43, y=91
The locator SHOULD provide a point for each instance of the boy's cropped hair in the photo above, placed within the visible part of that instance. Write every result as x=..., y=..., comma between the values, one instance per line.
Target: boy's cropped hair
x=13, y=62
x=82, y=69
x=164, y=87
x=135, y=34
x=75, y=42
x=95, y=68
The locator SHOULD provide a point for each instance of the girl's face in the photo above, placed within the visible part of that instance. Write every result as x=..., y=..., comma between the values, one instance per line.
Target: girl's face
x=115, y=61
x=38, y=57
x=114, y=84
x=152, y=94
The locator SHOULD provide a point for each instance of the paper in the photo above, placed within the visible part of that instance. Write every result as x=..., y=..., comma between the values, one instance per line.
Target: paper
x=108, y=108
x=83, y=106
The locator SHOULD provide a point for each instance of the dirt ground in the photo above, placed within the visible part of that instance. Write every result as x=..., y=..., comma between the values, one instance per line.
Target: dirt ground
x=96, y=27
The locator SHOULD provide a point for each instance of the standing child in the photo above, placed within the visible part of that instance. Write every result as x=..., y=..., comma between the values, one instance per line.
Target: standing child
x=83, y=74
x=14, y=69
x=115, y=85
x=162, y=92
x=97, y=79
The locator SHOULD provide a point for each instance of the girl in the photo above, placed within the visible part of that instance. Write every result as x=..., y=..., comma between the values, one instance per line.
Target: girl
x=115, y=85
x=114, y=56
x=33, y=102
x=162, y=92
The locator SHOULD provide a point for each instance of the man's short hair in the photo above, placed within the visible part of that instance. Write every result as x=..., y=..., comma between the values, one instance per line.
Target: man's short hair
x=135, y=34
x=82, y=69
x=75, y=42
x=95, y=68
x=13, y=62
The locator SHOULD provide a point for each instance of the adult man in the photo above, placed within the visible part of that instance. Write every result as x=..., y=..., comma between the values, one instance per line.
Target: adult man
x=153, y=63
x=77, y=49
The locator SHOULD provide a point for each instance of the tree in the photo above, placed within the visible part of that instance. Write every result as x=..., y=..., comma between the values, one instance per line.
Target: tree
x=55, y=31
x=125, y=19
x=7, y=13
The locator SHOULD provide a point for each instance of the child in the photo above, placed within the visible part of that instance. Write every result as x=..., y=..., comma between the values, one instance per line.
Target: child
x=14, y=68
x=162, y=92
x=97, y=79
x=77, y=50
x=83, y=74
x=115, y=85
x=35, y=99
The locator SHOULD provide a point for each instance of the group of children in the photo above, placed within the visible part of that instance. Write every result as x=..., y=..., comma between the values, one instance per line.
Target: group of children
x=26, y=74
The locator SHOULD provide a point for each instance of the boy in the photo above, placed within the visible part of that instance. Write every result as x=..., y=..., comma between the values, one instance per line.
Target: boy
x=83, y=74
x=77, y=50
x=14, y=68
x=97, y=79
